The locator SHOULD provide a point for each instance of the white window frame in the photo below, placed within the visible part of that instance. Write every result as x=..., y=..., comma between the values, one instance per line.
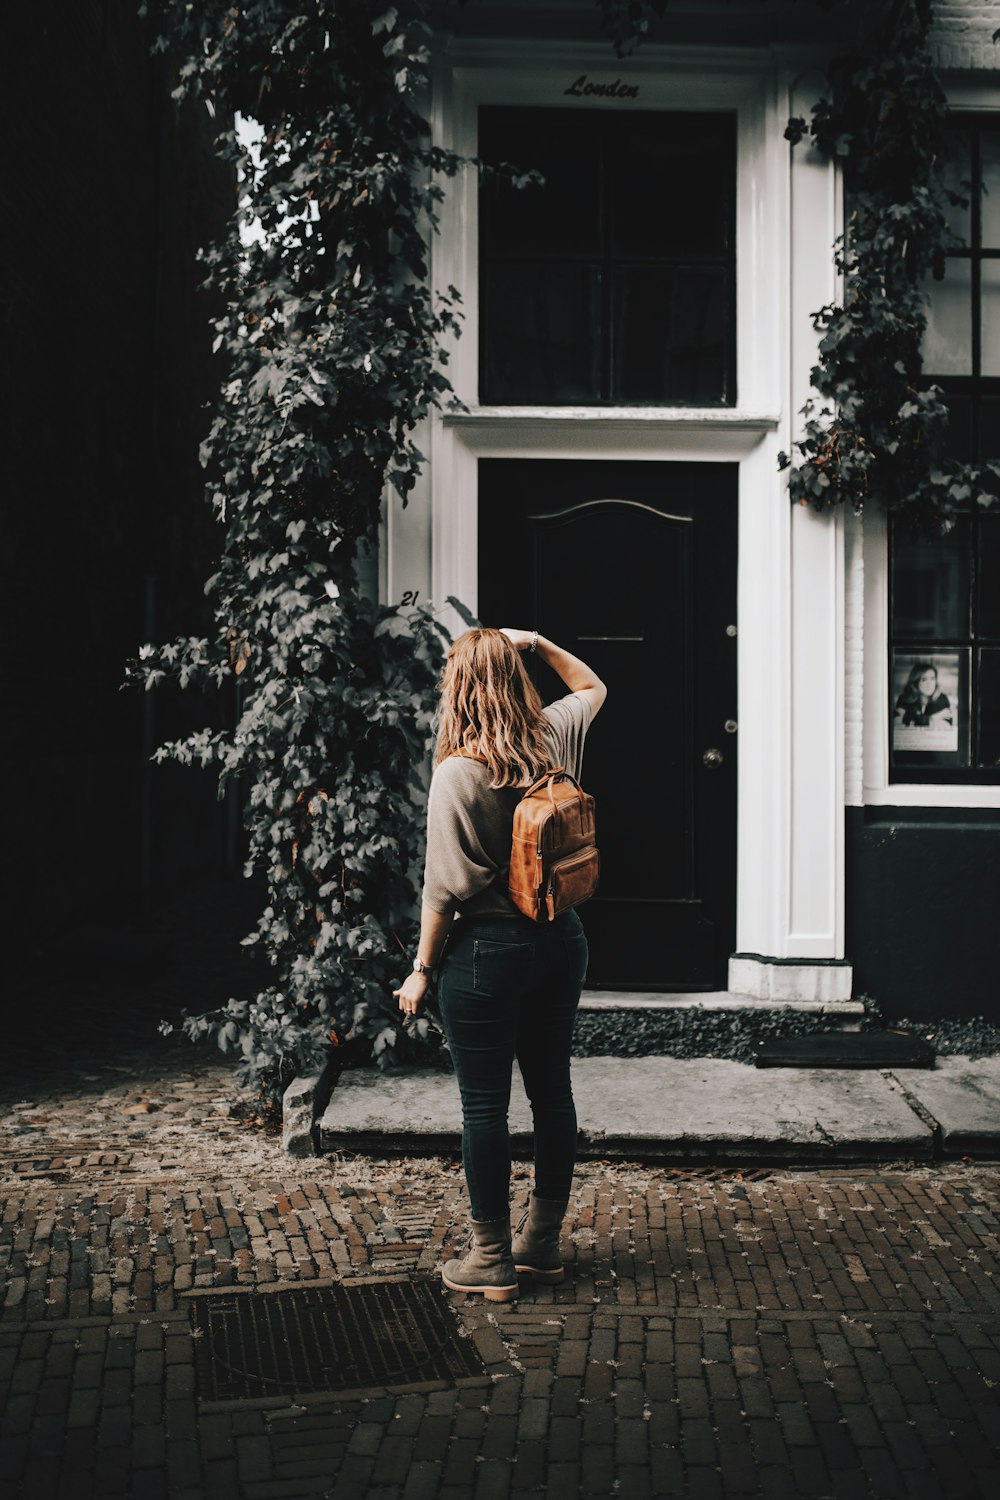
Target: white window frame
x=977, y=96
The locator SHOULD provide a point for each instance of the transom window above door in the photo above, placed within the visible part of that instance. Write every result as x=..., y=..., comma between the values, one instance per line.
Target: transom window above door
x=614, y=282
x=961, y=348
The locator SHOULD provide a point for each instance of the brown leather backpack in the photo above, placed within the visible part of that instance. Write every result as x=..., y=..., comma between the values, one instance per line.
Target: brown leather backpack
x=554, y=860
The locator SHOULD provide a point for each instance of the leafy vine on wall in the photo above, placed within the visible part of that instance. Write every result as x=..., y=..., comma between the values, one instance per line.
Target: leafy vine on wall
x=877, y=430
x=333, y=346
x=334, y=349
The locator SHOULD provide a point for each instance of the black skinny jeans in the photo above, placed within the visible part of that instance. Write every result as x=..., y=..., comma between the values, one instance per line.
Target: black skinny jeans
x=509, y=988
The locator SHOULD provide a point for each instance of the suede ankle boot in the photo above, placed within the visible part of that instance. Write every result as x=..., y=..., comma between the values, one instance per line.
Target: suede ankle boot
x=487, y=1266
x=536, y=1244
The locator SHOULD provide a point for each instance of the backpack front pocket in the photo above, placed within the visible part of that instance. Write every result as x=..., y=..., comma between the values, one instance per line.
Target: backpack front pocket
x=572, y=881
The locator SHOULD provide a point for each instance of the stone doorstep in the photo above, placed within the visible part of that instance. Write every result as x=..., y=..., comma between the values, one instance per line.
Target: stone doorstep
x=683, y=1110
x=669, y=1109
x=306, y=1098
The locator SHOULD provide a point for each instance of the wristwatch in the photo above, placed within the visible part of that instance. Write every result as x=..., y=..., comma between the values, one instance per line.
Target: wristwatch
x=419, y=967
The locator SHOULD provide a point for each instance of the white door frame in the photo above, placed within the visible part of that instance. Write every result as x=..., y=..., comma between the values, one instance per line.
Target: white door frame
x=790, y=847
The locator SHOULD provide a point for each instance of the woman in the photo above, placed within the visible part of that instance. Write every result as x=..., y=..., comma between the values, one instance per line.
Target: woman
x=509, y=987
x=920, y=703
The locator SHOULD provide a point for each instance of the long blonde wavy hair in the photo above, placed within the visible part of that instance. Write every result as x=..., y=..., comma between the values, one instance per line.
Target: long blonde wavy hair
x=491, y=709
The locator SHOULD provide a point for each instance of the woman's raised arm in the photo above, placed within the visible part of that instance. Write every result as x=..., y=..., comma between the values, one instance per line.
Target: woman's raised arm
x=576, y=674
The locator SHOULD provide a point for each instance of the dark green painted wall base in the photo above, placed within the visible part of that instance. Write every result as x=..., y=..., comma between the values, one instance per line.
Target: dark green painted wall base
x=923, y=910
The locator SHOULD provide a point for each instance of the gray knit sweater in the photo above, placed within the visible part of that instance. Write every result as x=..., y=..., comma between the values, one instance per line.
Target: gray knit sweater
x=469, y=822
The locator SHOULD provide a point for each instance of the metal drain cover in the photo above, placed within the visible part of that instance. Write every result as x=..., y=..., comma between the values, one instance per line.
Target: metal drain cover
x=331, y=1338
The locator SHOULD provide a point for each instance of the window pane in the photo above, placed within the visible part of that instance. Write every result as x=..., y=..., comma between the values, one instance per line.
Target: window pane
x=989, y=576
x=559, y=217
x=672, y=185
x=960, y=428
x=989, y=708
x=958, y=176
x=540, y=328
x=670, y=327
x=930, y=584
x=990, y=324
x=947, y=345
x=990, y=159
x=614, y=281
x=989, y=429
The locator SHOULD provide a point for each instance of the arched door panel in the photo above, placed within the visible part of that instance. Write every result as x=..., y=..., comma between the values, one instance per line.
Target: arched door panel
x=633, y=567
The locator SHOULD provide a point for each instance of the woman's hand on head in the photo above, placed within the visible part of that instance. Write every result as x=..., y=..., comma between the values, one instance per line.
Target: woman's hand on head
x=577, y=676
x=519, y=639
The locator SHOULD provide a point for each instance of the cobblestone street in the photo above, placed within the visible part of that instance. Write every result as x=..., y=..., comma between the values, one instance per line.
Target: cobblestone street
x=832, y=1333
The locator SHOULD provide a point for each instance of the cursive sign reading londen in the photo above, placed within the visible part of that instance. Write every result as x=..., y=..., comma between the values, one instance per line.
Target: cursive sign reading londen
x=582, y=87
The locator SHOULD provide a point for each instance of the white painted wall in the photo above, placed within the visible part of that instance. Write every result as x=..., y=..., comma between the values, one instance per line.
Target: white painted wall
x=962, y=34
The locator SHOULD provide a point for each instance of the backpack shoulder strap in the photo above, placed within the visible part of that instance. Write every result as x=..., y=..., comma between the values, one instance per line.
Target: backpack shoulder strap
x=547, y=778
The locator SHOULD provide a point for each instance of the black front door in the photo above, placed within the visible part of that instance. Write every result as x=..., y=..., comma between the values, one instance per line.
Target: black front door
x=632, y=566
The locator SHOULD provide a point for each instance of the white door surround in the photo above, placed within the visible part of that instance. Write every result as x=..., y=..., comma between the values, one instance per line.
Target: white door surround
x=790, y=940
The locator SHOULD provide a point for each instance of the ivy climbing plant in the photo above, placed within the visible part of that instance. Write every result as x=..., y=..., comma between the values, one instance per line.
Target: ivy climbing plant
x=334, y=351
x=333, y=348
x=876, y=429
x=626, y=22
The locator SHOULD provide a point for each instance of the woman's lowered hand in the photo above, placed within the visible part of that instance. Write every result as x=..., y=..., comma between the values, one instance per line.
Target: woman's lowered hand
x=433, y=930
x=412, y=993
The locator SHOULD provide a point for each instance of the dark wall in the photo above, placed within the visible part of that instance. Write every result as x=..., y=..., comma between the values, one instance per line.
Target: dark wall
x=733, y=23
x=107, y=192
x=923, y=910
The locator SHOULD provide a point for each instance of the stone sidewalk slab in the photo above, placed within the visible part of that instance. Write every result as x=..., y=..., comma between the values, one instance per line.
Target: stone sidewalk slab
x=654, y=1107
x=963, y=1096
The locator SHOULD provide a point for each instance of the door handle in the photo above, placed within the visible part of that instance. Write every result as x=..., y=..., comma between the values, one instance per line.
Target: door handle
x=712, y=758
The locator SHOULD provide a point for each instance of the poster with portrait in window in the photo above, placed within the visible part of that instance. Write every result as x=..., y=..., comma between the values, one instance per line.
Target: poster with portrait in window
x=930, y=715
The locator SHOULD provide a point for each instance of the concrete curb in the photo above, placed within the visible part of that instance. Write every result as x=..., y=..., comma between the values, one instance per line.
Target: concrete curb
x=297, y=1115
x=302, y=1104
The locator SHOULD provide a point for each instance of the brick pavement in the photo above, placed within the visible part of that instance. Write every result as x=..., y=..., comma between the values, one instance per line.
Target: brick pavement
x=778, y=1334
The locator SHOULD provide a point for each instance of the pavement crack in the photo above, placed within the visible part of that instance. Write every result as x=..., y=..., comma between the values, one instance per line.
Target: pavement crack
x=919, y=1109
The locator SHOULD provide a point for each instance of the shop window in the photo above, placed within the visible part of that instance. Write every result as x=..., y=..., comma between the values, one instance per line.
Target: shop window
x=945, y=606
x=614, y=281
